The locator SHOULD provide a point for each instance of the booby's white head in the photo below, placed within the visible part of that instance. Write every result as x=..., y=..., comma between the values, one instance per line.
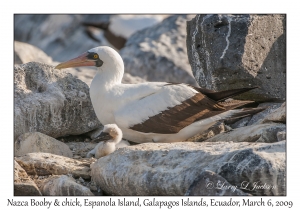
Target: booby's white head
x=109, y=62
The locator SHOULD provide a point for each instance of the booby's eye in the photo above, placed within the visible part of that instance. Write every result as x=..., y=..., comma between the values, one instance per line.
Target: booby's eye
x=95, y=56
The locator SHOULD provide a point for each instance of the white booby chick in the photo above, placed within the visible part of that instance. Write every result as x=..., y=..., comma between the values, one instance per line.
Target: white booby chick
x=112, y=135
x=153, y=111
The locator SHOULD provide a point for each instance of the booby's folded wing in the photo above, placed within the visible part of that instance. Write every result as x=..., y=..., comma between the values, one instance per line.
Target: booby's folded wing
x=167, y=111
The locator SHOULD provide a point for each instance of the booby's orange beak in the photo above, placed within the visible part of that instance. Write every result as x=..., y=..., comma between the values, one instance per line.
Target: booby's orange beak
x=81, y=60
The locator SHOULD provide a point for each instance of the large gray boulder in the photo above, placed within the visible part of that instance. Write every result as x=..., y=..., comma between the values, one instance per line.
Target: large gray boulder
x=171, y=168
x=44, y=164
x=235, y=51
x=38, y=142
x=24, y=53
x=51, y=101
x=60, y=36
x=63, y=185
x=158, y=53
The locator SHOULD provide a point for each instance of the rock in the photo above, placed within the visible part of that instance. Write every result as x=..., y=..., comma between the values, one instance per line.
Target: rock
x=81, y=148
x=209, y=183
x=266, y=133
x=214, y=130
x=63, y=186
x=240, y=123
x=23, y=184
x=24, y=53
x=259, y=117
x=51, y=101
x=249, y=167
x=126, y=25
x=281, y=136
x=121, y=27
x=38, y=142
x=235, y=51
x=49, y=164
x=171, y=168
x=278, y=115
x=99, y=21
x=158, y=53
x=59, y=36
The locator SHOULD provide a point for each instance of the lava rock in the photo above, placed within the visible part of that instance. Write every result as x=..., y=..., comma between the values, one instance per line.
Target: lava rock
x=63, y=186
x=38, y=142
x=171, y=168
x=43, y=164
x=59, y=36
x=236, y=51
x=158, y=53
x=23, y=184
x=51, y=101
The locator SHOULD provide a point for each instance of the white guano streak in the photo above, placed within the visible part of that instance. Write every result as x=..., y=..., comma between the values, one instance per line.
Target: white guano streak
x=194, y=52
x=199, y=69
x=228, y=35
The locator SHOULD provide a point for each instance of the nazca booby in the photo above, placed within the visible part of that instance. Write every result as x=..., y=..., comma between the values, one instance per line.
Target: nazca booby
x=153, y=111
x=112, y=135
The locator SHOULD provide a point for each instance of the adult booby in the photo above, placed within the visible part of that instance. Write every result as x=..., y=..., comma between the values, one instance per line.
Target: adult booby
x=153, y=111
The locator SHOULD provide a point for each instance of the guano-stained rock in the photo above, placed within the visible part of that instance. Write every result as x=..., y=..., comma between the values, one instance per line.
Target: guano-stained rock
x=38, y=142
x=235, y=51
x=43, y=164
x=51, y=101
x=63, y=186
x=158, y=53
x=170, y=168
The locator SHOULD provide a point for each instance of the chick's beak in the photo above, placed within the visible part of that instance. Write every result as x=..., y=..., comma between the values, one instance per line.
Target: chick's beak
x=79, y=61
x=105, y=136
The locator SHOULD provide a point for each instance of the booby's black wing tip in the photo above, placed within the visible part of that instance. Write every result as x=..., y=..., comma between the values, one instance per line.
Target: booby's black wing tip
x=222, y=95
